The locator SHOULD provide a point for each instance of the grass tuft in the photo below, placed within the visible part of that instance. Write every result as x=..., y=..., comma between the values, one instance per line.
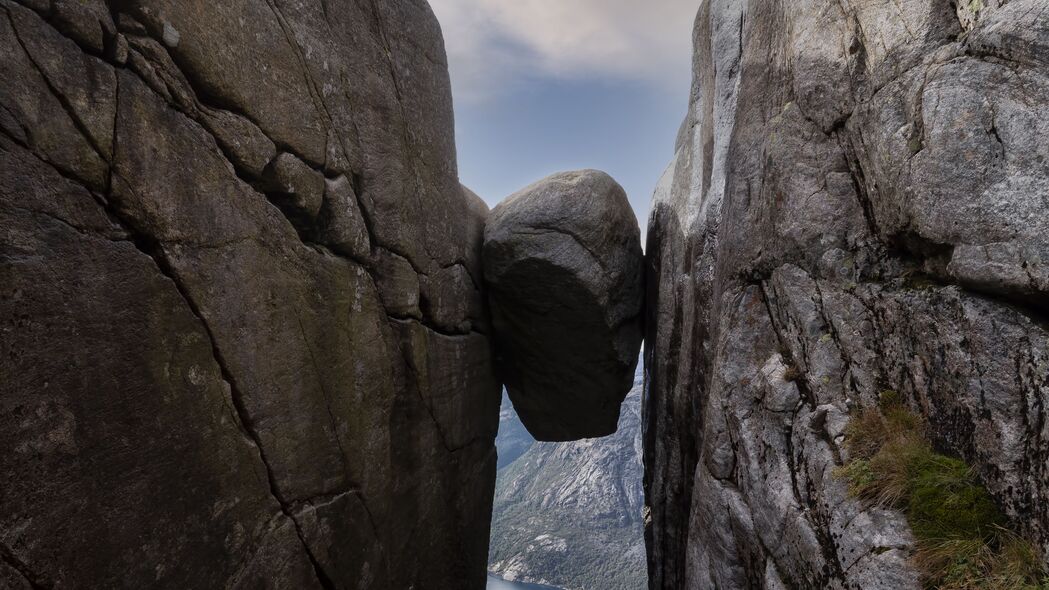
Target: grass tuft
x=962, y=539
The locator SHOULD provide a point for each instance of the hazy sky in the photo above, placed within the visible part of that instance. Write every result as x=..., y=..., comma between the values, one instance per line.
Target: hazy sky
x=542, y=86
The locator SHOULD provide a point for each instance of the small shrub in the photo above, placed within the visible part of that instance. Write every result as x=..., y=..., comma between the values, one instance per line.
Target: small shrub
x=962, y=542
x=1004, y=562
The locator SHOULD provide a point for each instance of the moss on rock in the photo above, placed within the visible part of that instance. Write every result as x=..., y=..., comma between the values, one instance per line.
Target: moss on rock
x=962, y=537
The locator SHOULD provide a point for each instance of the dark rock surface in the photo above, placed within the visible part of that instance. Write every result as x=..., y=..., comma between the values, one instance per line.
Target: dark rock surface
x=857, y=204
x=563, y=268
x=242, y=338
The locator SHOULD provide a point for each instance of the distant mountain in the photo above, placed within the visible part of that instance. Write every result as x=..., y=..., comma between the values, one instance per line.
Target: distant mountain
x=569, y=514
x=513, y=438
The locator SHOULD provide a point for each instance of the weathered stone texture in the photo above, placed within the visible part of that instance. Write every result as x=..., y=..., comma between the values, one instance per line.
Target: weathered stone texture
x=857, y=203
x=563, y=270
x=210, y=378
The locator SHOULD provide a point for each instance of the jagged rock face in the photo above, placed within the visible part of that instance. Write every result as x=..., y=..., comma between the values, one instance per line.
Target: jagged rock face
x=243, y=338
x=857, y=203
x=563, y=268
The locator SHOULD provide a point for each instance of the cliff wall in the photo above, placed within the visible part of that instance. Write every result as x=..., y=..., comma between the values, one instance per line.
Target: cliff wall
x=857, y=204
x=243, y=338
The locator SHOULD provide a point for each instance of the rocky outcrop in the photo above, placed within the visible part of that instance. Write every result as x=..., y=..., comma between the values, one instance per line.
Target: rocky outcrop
x=563, y=268
x=570, y=514
x=856, y=204
x=243, y=340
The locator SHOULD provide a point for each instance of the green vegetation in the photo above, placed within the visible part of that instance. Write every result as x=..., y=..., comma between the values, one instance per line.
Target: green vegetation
x=962, y=539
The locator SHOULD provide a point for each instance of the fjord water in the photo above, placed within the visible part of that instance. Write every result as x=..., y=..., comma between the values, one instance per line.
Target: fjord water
x=495, y=583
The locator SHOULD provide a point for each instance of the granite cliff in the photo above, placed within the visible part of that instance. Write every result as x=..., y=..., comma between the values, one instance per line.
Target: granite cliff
x=243, y=338
x=563, y=269
x=856, y=209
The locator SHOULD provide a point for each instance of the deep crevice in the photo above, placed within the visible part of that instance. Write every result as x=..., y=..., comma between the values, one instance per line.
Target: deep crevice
x=859, y=184
x=785, y=350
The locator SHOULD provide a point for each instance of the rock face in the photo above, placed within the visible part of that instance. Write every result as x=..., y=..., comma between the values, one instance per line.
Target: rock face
x=563, y=267
x=857, y=204
x=570, y=514
x=243, y=342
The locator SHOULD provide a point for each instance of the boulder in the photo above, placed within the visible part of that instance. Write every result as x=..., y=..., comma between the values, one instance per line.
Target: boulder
x=563, y=266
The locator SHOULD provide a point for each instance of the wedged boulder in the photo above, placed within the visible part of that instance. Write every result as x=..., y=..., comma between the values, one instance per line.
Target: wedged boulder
x=563, y=265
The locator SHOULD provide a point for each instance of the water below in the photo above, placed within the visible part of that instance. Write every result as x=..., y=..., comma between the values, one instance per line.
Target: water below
x=495, y=583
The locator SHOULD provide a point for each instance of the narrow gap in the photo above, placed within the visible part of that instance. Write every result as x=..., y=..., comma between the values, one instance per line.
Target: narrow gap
x=570, y=514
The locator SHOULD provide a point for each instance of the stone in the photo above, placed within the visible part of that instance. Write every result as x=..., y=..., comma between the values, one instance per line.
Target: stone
x=584, y=495
x=49, y=127
x=341, y=225
x=88, y=22
x=563, y=267
x=118, y=50
x=248, y=149
x=856, y=204
x=294, y=187
x=398, y=285
x=202, y=384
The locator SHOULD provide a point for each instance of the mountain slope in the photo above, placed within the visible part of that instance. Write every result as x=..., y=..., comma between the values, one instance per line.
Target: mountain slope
x=569, y=514
x=513, y=439
x=243, y=339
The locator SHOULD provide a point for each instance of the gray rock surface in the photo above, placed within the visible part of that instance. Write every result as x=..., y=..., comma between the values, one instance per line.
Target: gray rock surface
x=242, y=338
x=857, y=203
x=563, y=267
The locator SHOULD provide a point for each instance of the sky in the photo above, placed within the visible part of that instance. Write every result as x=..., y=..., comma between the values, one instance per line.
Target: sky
x=542, y=86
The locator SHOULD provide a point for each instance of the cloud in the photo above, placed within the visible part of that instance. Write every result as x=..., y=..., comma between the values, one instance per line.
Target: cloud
x=493, y=44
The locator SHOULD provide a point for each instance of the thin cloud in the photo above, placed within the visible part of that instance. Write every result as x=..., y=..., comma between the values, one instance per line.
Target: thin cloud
x=494, y=44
